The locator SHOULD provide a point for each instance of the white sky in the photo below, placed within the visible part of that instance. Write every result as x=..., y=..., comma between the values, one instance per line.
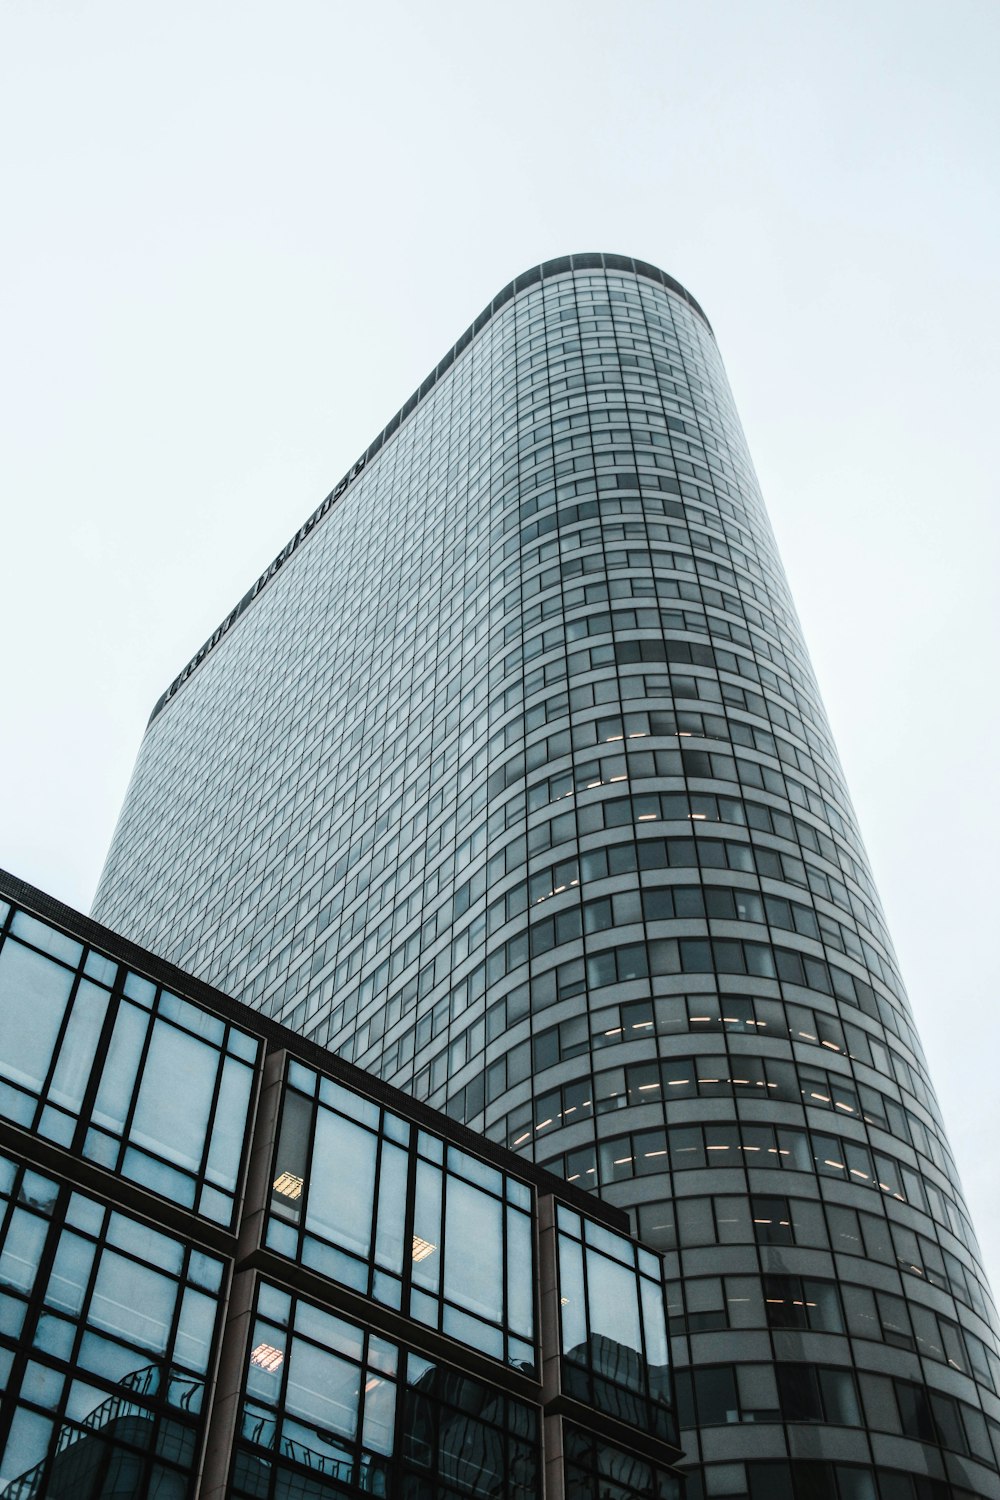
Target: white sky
x=236, y=236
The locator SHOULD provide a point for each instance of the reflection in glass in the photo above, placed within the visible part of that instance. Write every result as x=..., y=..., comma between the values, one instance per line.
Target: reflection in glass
x=111, y=1404
x=612, y=1296
x=315, y=1406
x=611, y=1308
x=596, y=1470
x=466, y=1439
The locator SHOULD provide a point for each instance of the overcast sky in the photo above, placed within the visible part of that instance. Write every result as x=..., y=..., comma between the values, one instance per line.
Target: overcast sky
x=236, y=236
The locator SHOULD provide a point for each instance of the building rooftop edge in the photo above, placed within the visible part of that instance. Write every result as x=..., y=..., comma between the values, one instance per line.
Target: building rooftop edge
x=587, y=261
x=279, y=1038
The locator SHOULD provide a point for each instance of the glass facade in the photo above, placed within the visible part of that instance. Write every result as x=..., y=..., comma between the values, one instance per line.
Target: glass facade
x=106, y=1326
x=393, y=1212
x=523, y=796
x=372, y=1316
x=119, y=1070
x=613, y=1333
x=322, y=1395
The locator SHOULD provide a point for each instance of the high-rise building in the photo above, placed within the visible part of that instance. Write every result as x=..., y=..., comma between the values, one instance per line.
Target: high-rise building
x=509, y=780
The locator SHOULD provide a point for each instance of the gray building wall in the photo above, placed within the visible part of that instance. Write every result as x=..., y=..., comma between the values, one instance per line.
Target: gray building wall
x=513, y=784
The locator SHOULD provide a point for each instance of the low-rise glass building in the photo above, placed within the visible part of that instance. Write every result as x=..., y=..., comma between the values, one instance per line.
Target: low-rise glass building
x=233, y=1265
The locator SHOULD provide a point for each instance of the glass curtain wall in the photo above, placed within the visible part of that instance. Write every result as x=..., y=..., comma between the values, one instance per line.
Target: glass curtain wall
x=522, y=795
x=383, y=1315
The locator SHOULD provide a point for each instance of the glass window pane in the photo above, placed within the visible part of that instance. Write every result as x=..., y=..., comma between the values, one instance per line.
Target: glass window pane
x=118, y=1078
x=391, y=1208
x=355, y=1106
x=473, y=1249
x=192, y=1017
x=175, y=1096
x=133, y=1301
x=26, y=1445
x=573, y=1308
x=427, y=1228
x=342, y=1182
x=70, y=1273
x=327, y=1329
x=653, y=1324
x=380, y=1414
x=76, y=1055
x=473, y=1331
x=613, y=1302
x=520, y=1275
x=159, y=1250
x=22, y=1250
x=323, y=1389
x=194, y=1330
x=229, y=1126
x=34, y=993
x=43, y=936
x=477, y=1171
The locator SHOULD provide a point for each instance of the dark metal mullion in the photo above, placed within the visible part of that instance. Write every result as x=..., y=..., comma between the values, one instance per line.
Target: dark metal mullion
x=643, y=1350
x=100, y=1062
x=380, y=1139
x=154, y=1017
x=33, y=1311
x=504, y=1259
x=201, y=1180
x=43, y=1098
x=413, y=1158
x=442, y=1283
x=314, y=1108
x=286, y=1370
x=182, y=1282
x=586, y=1309
x=537, y=1313
x=283, y=1386
x=395, y=1458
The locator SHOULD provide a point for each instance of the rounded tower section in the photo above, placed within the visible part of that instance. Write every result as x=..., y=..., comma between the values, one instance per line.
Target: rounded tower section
x=522, y=795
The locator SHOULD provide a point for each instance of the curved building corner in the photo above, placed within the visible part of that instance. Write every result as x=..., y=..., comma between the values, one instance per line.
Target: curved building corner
x=512, y=783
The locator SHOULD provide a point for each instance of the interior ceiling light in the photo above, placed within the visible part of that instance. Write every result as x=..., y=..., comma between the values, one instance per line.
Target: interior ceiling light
x=288, y=1185
x=422, y=1248
x=267, y=1357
